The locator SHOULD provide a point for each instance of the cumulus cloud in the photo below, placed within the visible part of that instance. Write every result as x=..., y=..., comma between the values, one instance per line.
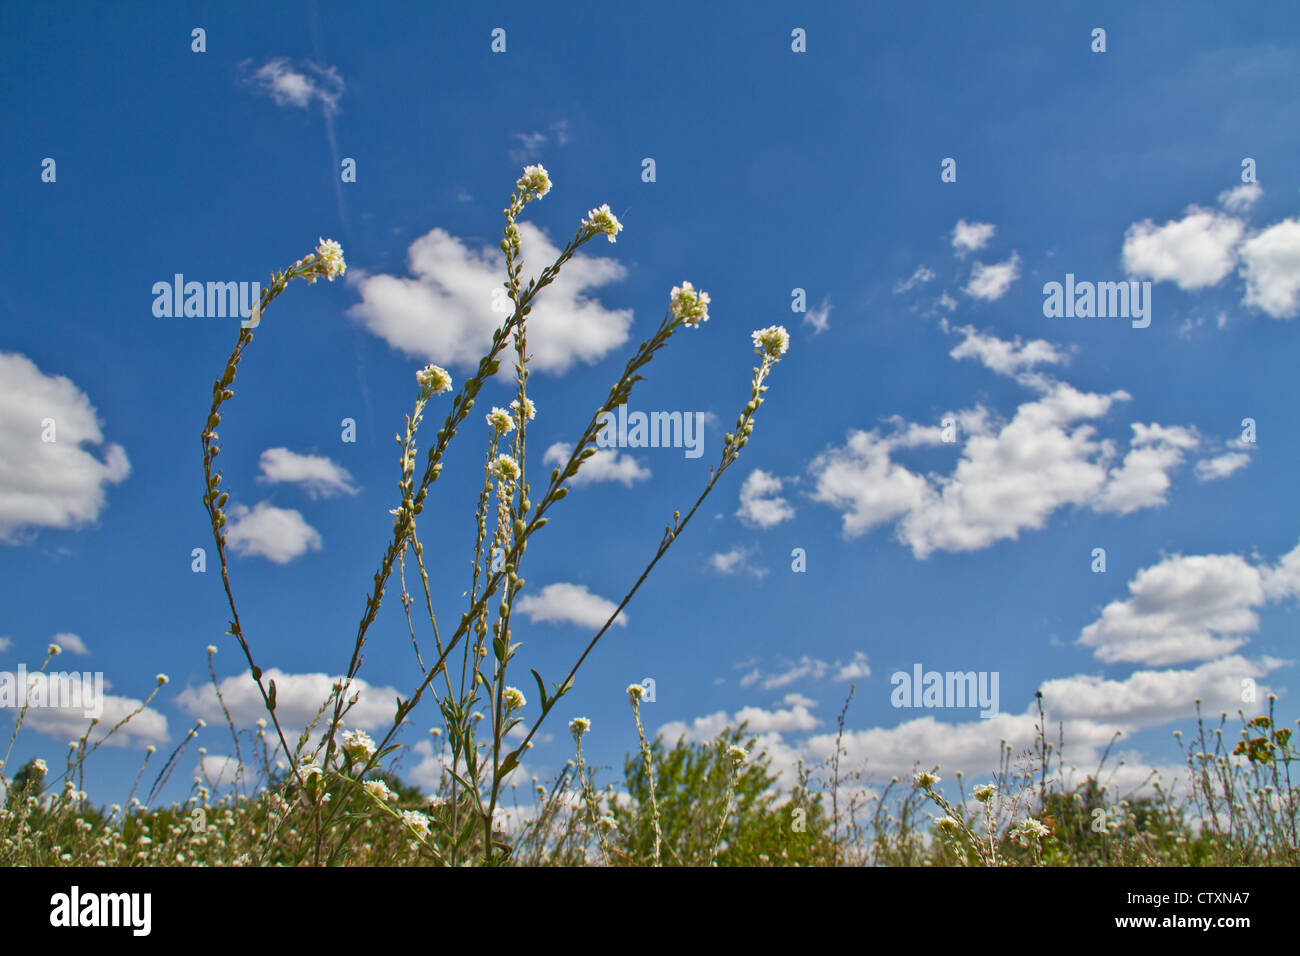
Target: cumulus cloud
x=1187, y=608
x=217, y=770
x=607, y=464
x=1091, y=710
x=298, y=697
x=70, y=642
x=971, y=236
x=5, y=644
x=277, y=534
x=47, y=478
x=1221, y=466
x=563, y=603
x=444, y=312
x=318, y=475
x=299, y=86
x=760, y=504
x=1149, y=698
x=67, y=698
x=1242, y=198
x=430, y=774
x=758, y=720
x=734, y=561
x=1010, y=476
x=992, y=282
x=1270, y=264
x=1193, y=252
x=1012, y=358
x=855, y=669
x=1142, y=478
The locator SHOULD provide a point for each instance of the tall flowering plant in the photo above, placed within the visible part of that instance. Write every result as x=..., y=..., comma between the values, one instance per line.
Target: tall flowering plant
x=334, y=774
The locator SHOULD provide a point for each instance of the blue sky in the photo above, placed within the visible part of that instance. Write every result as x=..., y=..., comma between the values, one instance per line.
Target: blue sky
x=775, y=170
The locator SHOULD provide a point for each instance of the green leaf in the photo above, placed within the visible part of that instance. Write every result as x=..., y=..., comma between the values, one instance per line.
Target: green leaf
x=511, y=761
x=541, y=687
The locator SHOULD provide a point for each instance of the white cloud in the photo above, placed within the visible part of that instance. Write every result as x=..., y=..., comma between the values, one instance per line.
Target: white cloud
x=445, y=313
x=805, y=668
x=1009, y=477
x=1143, y=478
x=760, y=721
x=318, y=475
x=992, y=282
x=763, y=721
x=563, y=603
x=798, y=700
x=218, y=770
x=734, y=561
x=607, y=464
x=70, y=722
x=1149, y=698
x=1010, y=358
x=1270, y=264
x=1242, y=198
x=1182, y=609
x=54, y=484
x=430, y=774
x=760, y=505
x=820, y=317
x=70, y=642
x=298, y=698
x=920, y=276
x=855, y=669
x=529, y=145
x=5, y=644
x=277, y=534
x=1091, y=709
x=298, y=86
x=1193, y=252
x=1221, y=466
x=971, y=236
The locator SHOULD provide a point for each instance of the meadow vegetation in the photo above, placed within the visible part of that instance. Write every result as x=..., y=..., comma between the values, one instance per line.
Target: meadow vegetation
x=331, y=794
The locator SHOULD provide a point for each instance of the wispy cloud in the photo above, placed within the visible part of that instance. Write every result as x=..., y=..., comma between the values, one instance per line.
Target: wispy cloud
x=296, y=85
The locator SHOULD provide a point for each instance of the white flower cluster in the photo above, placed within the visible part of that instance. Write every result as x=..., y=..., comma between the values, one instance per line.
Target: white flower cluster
x=505, y=468
x=602, y=220
x=534, y=183
x=433, y=379
x=690, y=306
x=416, y=821
x=1030, y=829
x=328, y=261
x=515, y=699
x=773, y=341
x=379, y=790
x=358, y=745
x=500, y=421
